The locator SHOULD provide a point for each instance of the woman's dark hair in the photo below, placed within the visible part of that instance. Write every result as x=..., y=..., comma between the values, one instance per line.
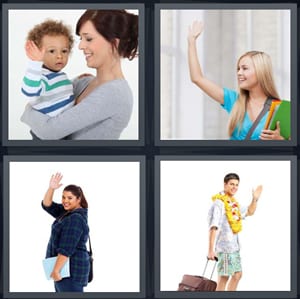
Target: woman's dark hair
x=112, y=25
x=231, y=176
x=77, y=191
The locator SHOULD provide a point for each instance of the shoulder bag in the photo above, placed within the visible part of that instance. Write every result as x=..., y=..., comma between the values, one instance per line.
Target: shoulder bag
x=91, y=274
x=265, y=109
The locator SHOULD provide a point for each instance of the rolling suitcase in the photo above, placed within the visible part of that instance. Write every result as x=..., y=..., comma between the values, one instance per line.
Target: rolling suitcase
x=194, y=283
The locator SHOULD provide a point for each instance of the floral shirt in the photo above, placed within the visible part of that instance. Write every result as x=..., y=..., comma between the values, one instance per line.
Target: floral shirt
x=226, y=240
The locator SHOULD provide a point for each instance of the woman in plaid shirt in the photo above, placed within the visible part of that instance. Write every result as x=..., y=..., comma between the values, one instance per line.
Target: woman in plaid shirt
x=69, y=235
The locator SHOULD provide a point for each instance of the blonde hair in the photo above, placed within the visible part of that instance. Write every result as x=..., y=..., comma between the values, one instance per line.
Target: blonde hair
x=264, y=73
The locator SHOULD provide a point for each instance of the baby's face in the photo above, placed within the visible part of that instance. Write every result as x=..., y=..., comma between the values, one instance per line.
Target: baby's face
x=57, y=52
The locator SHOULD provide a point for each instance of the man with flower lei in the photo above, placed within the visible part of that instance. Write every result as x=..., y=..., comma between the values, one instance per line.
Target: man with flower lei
x=225, y=222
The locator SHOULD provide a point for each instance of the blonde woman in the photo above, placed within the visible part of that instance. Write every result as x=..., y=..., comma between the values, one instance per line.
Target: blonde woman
x=256, y=85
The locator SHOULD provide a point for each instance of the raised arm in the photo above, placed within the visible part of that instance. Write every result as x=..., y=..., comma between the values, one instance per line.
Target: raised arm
x=33, y=85
x=255, y=196
x=53, y=185
x=210, y=88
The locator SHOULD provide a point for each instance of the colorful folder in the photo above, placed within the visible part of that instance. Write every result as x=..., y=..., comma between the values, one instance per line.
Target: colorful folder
x=280, y=111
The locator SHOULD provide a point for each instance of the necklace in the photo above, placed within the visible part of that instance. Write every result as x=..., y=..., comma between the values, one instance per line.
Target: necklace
x=232, y=211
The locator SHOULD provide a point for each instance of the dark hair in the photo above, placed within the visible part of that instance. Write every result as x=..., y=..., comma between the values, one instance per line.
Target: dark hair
x=77, y=191
x=231, y=176
x=52, y=28
x=112, y=25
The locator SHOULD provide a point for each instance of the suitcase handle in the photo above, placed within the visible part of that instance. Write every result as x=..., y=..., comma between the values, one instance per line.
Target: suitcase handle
x=213, y=270
x=215, y=258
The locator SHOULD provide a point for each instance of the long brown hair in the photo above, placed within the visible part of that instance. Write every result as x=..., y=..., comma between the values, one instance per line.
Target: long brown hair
x=263, y=68
x=77, y=191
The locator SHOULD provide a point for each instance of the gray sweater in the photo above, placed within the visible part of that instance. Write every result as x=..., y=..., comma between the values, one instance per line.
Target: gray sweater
x=103, y=114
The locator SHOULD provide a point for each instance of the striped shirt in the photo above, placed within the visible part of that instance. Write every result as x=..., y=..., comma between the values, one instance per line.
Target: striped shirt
x=47, y=91
x=69, y=234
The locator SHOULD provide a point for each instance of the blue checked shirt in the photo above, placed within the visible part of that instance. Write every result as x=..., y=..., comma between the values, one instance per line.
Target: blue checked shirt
x=69, y=235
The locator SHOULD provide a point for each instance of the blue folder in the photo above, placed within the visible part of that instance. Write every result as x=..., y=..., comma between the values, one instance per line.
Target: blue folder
x=49, y=263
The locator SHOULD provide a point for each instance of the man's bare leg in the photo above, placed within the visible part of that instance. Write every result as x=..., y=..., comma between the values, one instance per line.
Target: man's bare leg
x=222, y=281
x=234, y=280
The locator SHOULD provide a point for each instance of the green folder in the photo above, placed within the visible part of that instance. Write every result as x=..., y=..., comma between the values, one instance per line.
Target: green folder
x=282, y=114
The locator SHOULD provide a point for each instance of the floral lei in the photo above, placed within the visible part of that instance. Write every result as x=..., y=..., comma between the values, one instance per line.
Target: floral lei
x=232, y=210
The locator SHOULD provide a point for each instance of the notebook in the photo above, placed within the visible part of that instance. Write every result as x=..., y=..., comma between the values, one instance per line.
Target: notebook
x=273, y=106
x=49, y=263
x=281, y=113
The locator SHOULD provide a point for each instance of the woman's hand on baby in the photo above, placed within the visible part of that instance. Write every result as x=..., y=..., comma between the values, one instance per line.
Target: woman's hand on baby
x=55, y=181
x=195, y=30
x=85, y=75
x=33, y=52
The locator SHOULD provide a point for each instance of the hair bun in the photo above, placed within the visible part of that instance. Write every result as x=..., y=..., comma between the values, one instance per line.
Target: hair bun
x=113, y=25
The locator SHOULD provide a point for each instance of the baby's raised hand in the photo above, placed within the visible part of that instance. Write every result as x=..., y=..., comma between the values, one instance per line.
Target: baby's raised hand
x=33, y=52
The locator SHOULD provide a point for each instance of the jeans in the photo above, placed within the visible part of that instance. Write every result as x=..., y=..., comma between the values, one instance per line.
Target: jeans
x=67, y=285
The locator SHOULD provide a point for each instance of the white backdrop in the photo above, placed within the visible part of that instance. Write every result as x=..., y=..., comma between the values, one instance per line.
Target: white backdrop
x=113, y=193
x=17, y=33
x=186, y=191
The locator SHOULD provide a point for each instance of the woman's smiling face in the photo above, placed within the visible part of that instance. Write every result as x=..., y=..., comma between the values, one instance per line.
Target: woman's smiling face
x=69, y=201
x=97, y=50
x=246, y=73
